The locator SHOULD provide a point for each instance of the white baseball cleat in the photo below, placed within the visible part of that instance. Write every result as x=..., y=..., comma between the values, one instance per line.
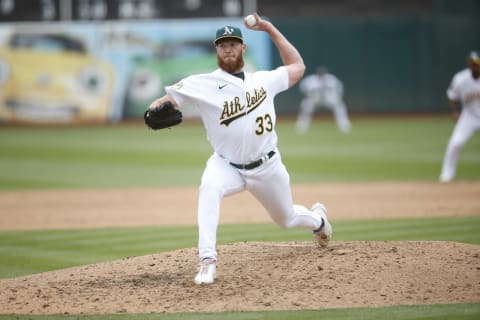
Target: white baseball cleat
x=324, y=233
x=207, y=272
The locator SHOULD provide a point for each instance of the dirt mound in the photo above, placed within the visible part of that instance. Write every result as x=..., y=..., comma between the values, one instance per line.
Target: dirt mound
x=258, y=276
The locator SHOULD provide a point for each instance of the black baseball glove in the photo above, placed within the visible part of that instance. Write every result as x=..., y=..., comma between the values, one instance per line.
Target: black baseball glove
x=162, y=116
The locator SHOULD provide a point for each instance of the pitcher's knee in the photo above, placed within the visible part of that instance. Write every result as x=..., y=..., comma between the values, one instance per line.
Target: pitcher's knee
x=208, y=184
x=285, y=223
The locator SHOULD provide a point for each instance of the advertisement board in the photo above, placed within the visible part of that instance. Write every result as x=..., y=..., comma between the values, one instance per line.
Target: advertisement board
x=101, y=72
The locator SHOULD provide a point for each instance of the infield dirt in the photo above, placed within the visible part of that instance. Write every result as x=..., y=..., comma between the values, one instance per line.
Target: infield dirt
x=251, y=275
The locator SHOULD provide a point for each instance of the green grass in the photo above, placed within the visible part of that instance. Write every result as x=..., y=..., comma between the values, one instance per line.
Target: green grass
x=425, y=312
x=123, y=156
x=97, y=157
x=27, y=252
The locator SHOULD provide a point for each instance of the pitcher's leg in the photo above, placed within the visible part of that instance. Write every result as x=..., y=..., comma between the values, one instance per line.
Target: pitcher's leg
x=271, y=187
x=219, y=179
x=208, y=216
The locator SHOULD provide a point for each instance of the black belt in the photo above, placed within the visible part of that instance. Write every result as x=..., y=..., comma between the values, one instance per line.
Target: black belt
x=254, y=164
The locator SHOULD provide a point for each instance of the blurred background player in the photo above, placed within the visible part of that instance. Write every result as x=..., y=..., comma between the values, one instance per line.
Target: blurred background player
x=464, y=99
x=322, y=89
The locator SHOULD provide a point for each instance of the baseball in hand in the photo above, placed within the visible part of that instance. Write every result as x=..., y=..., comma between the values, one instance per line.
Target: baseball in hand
x=250, y=20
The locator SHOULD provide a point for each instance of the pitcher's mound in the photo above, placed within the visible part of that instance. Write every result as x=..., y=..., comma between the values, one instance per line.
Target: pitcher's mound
x=258, y=276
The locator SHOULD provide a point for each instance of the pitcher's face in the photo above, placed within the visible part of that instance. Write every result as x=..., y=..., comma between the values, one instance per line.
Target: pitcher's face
x=230, y=55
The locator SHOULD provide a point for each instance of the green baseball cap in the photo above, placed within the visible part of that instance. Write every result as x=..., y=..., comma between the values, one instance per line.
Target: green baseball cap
x=228, y=32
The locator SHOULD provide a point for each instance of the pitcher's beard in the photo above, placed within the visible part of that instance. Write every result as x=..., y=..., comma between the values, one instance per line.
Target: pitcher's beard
x=231, y=66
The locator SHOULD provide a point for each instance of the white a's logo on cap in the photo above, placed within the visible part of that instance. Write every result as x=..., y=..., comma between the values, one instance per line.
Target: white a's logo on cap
x=227, y=31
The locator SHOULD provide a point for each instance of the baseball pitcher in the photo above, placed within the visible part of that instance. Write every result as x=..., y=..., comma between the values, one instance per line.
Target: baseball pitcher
x=238, y=113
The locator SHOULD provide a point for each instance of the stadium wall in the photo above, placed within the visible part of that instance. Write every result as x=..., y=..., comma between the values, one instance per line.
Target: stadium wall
x=387, y=63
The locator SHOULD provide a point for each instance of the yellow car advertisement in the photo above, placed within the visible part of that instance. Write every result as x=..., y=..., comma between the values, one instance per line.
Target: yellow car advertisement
x=50, y=77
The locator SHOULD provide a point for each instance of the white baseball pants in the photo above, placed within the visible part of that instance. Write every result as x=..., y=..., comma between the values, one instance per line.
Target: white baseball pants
x=269, y=184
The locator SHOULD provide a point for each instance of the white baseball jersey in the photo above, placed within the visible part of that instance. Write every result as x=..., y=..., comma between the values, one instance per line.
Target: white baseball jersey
x=466, y=89
x=239, y=115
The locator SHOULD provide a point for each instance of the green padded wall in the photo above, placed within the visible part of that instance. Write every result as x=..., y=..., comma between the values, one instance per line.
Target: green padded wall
x=387, y=64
